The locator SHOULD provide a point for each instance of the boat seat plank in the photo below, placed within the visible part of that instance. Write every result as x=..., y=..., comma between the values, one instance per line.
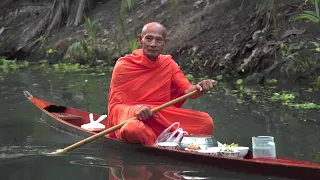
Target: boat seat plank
x=66, y=116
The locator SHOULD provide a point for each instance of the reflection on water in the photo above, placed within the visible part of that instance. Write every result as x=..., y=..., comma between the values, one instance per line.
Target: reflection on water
x=113, y=166
x=25, y=138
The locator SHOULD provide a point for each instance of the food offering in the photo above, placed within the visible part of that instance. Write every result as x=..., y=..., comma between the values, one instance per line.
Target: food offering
x=229, y=145
x=193, y=147
x=232, y=150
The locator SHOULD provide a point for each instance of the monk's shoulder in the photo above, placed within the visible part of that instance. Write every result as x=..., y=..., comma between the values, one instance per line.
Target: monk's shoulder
x=120, y=62
x=167, y=58
x=170, y=61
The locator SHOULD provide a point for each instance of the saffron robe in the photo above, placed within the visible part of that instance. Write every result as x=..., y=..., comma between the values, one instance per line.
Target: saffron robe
x=136, y=81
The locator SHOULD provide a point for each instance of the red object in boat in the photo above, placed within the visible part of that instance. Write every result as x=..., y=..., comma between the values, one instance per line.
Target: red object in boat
x=70, y=120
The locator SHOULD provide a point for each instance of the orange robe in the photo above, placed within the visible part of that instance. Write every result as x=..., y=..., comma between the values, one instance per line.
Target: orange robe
x=137, y=81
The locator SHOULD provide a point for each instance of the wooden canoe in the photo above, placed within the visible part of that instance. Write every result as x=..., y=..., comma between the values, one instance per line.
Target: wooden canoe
x=70, y=120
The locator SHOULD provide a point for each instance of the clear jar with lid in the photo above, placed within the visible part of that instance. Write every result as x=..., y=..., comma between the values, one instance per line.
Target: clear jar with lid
x=263, y=147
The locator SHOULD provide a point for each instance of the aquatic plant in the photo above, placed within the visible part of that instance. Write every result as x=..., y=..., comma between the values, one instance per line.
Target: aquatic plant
x=9, y=66
x=284, y=96
x=190, y=78
x=304, y=105
x=219, y=78
x=239, y=83
x=271, y=81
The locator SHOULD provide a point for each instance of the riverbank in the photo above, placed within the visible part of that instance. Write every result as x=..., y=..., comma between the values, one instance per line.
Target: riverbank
x=213, y=38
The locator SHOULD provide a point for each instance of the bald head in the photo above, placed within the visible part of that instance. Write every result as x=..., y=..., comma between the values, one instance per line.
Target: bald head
x=153, y=40
x=154, y=26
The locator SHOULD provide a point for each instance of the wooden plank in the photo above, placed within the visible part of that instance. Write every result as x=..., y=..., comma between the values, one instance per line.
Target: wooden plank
x=66, y=116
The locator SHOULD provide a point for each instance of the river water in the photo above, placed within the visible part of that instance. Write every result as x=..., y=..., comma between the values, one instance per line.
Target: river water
x=24, y=136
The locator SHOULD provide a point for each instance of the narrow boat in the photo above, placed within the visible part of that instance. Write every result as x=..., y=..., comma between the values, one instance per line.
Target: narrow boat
x=70, y=120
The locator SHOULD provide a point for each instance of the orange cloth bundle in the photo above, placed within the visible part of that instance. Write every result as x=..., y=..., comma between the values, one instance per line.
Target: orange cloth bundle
x=137, y=81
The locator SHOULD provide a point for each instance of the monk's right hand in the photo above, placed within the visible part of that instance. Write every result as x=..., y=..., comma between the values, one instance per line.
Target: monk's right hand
x=144, y=113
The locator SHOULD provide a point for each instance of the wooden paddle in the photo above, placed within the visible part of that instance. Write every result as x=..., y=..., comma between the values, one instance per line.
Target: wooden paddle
x=114, y=128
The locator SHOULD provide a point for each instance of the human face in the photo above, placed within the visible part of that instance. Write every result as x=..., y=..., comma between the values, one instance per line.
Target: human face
x=152, y=41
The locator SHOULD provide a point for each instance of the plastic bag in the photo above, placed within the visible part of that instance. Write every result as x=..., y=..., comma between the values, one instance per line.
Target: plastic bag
x=168, y=136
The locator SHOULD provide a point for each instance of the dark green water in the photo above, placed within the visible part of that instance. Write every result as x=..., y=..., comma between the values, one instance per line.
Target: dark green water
x=24, y=136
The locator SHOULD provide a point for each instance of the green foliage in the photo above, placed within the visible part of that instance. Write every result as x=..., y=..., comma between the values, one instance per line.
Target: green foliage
x=190, y=78
x=313, y=16
x=286, y=97
x=194, y=64
x=45, y=67
x=130, y=40
x=86, y=51
x=92, y=28
x=82, y=52
x=304, y=106
x=125, y=6
x=134, y=44
x=316, y=84
x=239, y=83
x=45, y=51
x=271, y=81
x=174, y=4
x=9, y=66
x=296, y=58
x=219, y=78
x=195, y=78
x=270, y=8
x=317, y=44
x=128, y=5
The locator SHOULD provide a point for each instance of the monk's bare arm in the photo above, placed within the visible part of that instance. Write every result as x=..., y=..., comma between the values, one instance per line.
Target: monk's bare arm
x=203, y=87
x=192, y=88
x=179, y=80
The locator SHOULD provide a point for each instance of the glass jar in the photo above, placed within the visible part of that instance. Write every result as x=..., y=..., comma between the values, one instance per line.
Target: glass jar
x=263, y=147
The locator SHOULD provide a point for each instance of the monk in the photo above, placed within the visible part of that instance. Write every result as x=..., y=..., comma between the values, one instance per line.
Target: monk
x=146, y=79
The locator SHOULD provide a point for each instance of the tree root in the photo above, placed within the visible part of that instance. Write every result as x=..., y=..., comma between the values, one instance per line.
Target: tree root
x=61, y=11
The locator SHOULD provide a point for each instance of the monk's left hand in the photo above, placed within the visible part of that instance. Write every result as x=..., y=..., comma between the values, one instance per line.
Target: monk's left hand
x=205, y=85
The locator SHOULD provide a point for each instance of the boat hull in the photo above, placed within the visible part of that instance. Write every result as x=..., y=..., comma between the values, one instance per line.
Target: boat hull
x=283, y=167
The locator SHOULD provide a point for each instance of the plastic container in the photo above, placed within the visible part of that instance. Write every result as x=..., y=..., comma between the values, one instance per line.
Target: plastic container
x=263, y=147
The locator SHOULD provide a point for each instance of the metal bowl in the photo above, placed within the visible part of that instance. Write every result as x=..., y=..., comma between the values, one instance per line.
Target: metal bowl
x=204, y=141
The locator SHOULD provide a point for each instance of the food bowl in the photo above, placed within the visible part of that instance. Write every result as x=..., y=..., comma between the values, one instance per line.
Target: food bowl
x=243, y=151
x=231, y=154
x=214, y=149
x=204, y=141
x=209, y=152
x=169, y=145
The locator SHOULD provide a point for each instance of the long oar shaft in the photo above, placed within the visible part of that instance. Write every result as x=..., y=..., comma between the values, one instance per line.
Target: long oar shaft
x=116, y=127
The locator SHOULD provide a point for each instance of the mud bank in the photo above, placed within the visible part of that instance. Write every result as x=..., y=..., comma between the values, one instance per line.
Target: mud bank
x=210, y=37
